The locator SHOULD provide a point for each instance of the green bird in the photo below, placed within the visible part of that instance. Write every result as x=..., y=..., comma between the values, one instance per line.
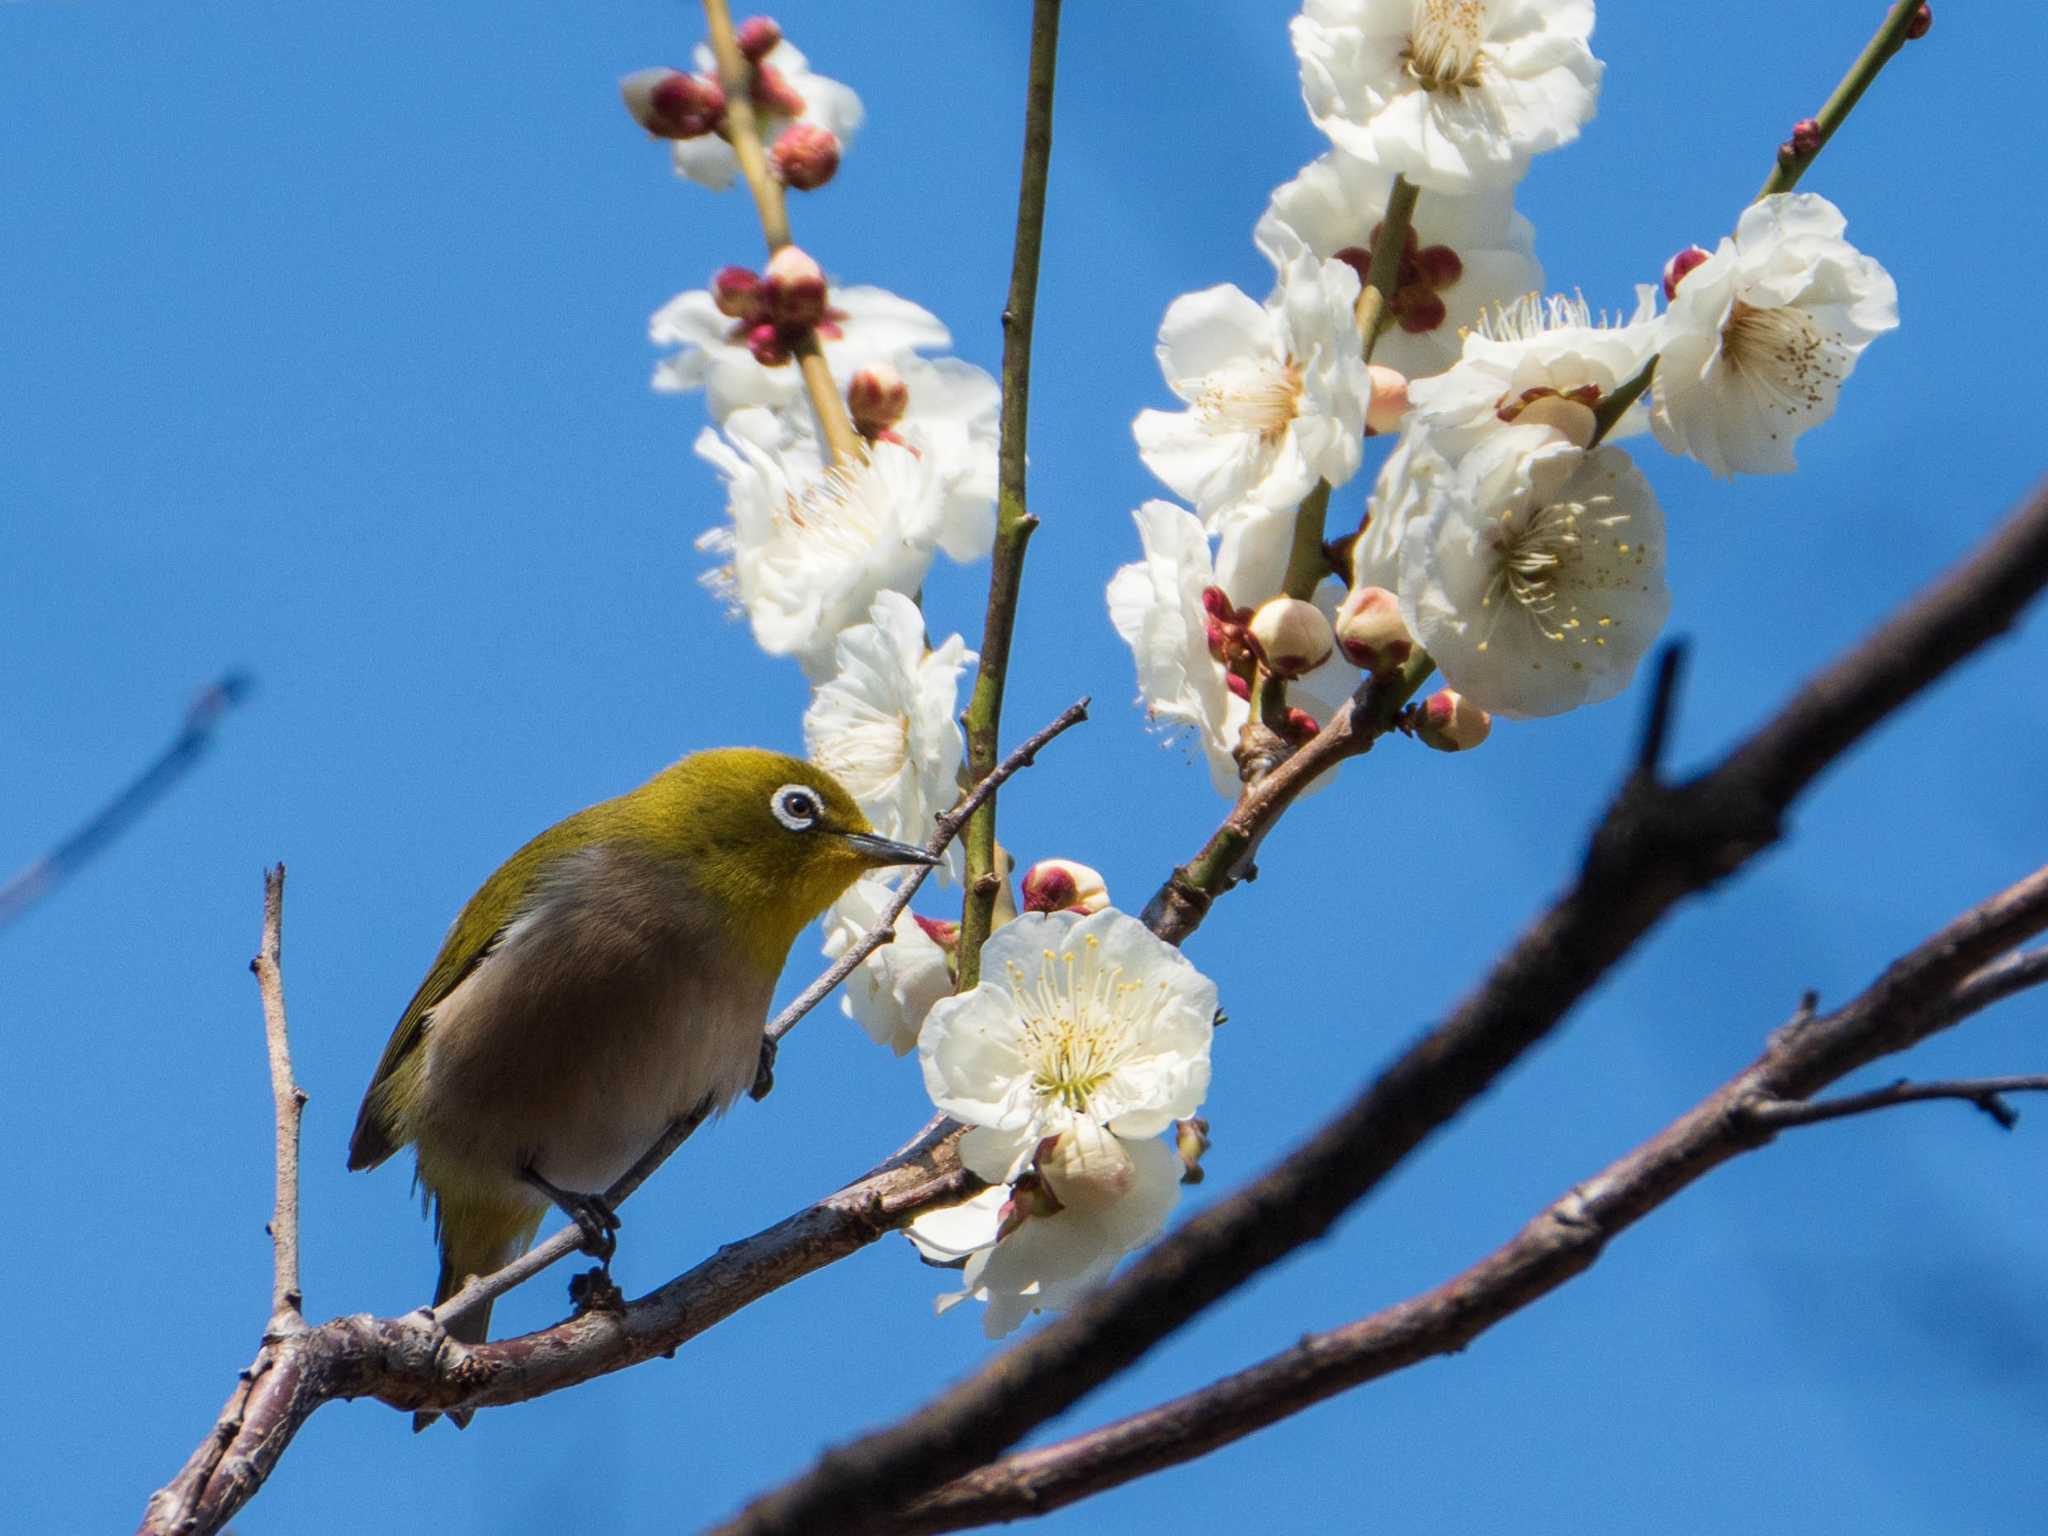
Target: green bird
x=612, y=976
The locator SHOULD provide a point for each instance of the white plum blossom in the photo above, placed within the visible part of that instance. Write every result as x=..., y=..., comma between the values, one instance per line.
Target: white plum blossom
x=1045, y=1263
x=805, y=554
x=862, y=325
x=1453, y=94
x=1087, y=1037
x=1156, y=604
x=1760, y=336
x=1077, y=1020
x=1466, y=253
x=1406, y=482
x=883, y=724
x=1533, y=573
x=895, y=987
x=951, y=421
x=1276, y=392
x=1546, y=354
x=709, y=160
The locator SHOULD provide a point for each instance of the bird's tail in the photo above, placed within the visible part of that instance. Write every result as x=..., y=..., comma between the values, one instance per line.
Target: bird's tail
x=478, y=1237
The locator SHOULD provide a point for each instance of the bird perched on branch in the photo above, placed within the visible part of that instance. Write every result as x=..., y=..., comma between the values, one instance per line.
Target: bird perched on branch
x=610, y=978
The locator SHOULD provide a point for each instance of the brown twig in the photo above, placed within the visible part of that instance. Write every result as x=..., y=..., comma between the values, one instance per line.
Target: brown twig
x=289, y=1101
x=1985, y=1093
x=412, y=1365
x=1657, y=844
x=1561, y=1243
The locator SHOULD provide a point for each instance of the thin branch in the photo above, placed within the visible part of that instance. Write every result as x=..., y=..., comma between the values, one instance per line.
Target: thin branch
x=410, y=1364
x=743, y=132
x=195, y=733
x=289, y=1101
x=1014, y=522
x=948, y=825
x=1178, y=907
x=1656, y=845
x=1562, y=1242
x=1877, y=53
x=1985, y=1093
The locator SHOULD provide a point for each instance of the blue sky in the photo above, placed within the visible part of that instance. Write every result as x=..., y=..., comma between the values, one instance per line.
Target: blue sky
x=322, y=353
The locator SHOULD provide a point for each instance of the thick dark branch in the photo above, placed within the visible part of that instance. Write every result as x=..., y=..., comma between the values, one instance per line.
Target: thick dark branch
x=1657, y=844
x=1562, y=1242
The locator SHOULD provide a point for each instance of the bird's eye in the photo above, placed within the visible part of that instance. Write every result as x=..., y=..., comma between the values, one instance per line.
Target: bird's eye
x=795, y=807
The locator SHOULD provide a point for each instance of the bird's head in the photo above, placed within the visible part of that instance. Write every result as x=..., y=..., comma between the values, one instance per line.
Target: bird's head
x=772, y=841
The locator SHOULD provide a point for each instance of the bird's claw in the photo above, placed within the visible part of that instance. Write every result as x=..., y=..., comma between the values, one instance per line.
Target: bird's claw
x=764, y=1074
x=593, y=1215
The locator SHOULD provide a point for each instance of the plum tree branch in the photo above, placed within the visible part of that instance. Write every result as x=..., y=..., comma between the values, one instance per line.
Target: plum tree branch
x=1560, y=1243
x=1657, y=844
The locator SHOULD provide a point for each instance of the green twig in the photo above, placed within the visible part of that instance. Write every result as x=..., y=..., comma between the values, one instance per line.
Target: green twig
x=1890, y=38
x=1013, y=523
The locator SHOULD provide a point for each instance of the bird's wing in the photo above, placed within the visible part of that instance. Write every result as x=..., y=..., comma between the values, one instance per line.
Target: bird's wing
x=475, y=935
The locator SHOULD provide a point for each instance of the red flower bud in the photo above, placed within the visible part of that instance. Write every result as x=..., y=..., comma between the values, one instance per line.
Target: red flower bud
x=1676, y=268
x=876, y=398
x=1419, y=309
x=1922, y=20
x=806, y=156
x=737, y=292
x=794, y=289
x=768, y=346
x=1439, y=265
x=758, y=35
x=673, y=105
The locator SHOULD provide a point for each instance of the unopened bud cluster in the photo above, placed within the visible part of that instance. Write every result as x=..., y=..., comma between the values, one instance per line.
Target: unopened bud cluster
x=876, y=398
x=772, y=311
x=673, y=105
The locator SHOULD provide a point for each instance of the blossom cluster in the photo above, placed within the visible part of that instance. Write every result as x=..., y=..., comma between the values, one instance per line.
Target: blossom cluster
x=1509, y=537
x=1088, y=1039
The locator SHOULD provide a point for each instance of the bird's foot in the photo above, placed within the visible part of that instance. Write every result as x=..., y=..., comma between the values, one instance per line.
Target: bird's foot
x=593, y=1291
x=593, y=1216
x=764, y=1074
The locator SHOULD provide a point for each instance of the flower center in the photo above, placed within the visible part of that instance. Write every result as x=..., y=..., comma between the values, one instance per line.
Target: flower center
x=833, y=512
x=1260, y=399
x=1784, y=354
x=1537, y=558
x=1443, y=48
x=1078, y=1020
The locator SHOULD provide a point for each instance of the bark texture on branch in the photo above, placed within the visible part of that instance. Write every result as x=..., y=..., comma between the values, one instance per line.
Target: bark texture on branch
x=1657, y=843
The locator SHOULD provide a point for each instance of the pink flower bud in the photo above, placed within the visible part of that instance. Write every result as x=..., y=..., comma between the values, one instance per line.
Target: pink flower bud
x=673, y=105
x=774, y=94
x=944, y=934
x=1061, y=885
x=1235, y=682
x=737, y=292
x=1292, y=636
x=1389, y=401
x=1298, y=726
x=758, y=35
x=1371, y=631
x=876, y=398
x=1922, y=20
x=794, y=289
x=1805, y=139
x=1439, y=266
x=806, y=156
x=1676, y=268
x=1216, y=603
x=1450, y=722
x=767, y=345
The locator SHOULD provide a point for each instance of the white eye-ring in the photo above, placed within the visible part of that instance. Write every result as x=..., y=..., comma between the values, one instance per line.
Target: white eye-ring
x=795, y=806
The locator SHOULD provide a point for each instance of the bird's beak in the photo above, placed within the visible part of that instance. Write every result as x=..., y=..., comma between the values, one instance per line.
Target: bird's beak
x=881, y=850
